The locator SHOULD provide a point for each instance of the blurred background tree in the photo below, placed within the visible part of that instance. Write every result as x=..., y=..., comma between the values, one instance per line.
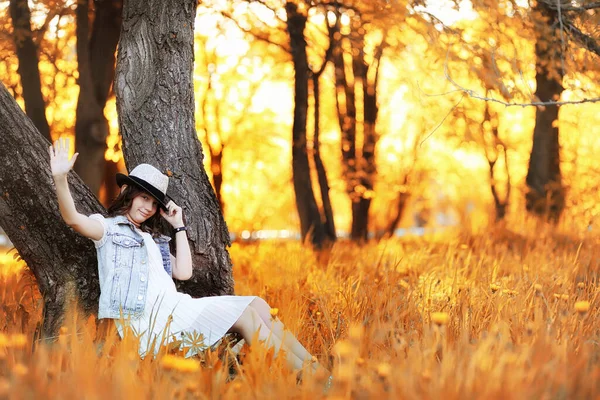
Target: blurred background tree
x=400, y=114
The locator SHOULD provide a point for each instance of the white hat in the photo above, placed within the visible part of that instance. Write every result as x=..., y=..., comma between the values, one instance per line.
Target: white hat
x=148, y=178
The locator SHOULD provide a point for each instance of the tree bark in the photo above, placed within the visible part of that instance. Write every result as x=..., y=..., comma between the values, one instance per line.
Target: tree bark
x=58, y=257
x=29, y=72
x=545, y=196
x=310, y=217
x=155, y=101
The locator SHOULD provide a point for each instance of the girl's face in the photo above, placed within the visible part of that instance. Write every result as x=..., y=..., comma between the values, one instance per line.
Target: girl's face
x=142, y=207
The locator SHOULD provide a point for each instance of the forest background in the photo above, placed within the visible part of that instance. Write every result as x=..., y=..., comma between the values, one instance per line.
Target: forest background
x=318, y=119
x=403, y=134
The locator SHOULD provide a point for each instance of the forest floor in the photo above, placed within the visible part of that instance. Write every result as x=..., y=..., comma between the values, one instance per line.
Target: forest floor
x=494, y=315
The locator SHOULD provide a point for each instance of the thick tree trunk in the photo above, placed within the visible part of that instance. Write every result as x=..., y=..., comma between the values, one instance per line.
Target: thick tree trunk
x=310, y=217
x=28, y=66
x=155, y=100
x=328, y=223
x=57, y=256
x=91, y=127
x=545, y=196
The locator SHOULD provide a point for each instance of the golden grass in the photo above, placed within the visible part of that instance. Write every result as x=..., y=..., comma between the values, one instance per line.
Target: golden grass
x=496, y=315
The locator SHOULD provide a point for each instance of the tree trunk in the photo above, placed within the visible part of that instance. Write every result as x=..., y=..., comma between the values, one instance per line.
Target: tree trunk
x=216, y=167
x=491, y=149
x=155, y=100
x=329, y=223
x=346, y=107
x=545, y=196
x=310, y=217
x=103, y=49
x=91, y=127
x=367, y=166
x=111, y=190
x=216, y=152
x=401, y=203
x=103, y=46
x=28, y=66
x=359, y=170
x=57, y=256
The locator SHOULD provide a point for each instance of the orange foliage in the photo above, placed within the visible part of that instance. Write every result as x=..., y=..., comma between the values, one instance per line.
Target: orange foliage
x=247, y=113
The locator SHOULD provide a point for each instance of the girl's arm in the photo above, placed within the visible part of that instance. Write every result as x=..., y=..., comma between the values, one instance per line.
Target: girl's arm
x=182, y=264
x=60, y=165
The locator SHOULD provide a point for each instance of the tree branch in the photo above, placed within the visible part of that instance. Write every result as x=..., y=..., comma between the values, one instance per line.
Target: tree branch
x=586, y=41
x=566, y=7
x=473, y=94
x=256, y=35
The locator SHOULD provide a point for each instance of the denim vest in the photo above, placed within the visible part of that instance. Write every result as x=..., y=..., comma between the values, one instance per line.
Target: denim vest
x=123, y=268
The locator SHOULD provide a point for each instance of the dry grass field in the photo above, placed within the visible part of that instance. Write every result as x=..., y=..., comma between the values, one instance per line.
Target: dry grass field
x=496, y=315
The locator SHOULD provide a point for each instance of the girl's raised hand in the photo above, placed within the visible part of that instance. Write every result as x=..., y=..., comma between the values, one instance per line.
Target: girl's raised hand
x=173, y=215
x=60, y=164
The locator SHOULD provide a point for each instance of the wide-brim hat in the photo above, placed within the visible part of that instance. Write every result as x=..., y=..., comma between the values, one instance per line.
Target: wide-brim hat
x=150, y=179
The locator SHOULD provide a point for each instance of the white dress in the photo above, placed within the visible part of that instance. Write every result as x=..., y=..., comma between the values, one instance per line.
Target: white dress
x=170, y=315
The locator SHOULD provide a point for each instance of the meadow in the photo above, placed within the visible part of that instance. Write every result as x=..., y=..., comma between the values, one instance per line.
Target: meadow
x=498, y=314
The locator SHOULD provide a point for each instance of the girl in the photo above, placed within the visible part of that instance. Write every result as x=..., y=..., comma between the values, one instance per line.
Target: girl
x=136, y=269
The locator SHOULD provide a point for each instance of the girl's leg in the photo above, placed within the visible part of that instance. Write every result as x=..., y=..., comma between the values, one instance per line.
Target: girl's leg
x=276, y=326
x=250, y=322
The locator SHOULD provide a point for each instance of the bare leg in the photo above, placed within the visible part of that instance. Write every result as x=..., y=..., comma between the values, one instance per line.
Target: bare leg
x=250, y=322
x=276, y=326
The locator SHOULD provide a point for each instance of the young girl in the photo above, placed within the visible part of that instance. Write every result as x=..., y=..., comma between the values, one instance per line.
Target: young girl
x=136, y=268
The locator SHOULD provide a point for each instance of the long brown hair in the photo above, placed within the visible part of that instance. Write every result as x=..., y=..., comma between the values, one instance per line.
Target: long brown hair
x=121, y=205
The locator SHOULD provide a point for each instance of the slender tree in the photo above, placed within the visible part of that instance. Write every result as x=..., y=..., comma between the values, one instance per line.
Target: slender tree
x=358, y=163
x=308, y=210
x=223, y=125
x=96, y=65
x=27, y=53
x=328, y=221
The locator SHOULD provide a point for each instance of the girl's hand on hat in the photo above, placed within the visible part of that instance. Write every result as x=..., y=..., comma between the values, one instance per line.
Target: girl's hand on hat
x=173, y=215
x=60, y=164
